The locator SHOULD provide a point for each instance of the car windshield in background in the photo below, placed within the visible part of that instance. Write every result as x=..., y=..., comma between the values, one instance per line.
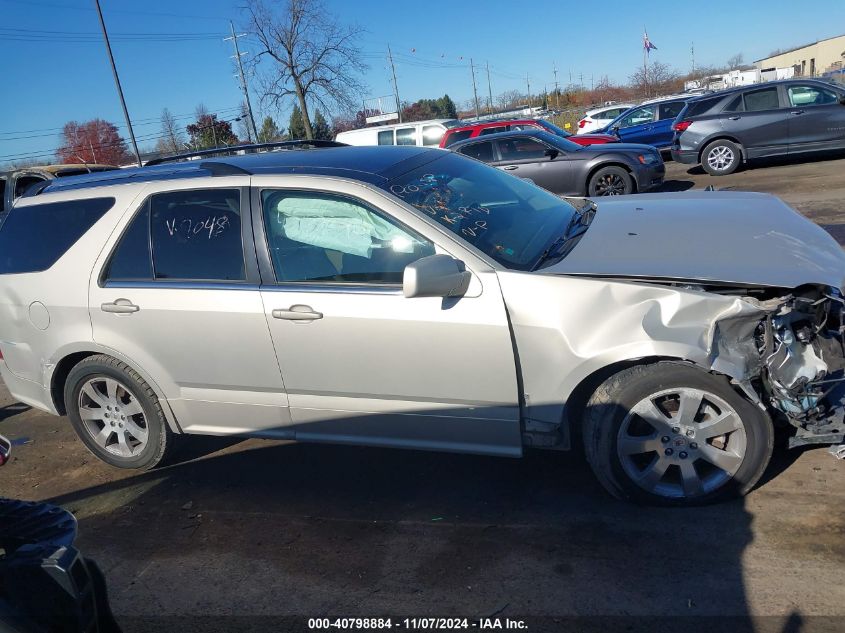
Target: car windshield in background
x=509, y=219
x=551, y=127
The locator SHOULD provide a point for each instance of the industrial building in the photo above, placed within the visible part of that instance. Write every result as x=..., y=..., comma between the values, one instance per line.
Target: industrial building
x=823, y=58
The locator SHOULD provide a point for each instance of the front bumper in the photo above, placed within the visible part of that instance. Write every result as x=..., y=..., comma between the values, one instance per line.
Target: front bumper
x=650, y=177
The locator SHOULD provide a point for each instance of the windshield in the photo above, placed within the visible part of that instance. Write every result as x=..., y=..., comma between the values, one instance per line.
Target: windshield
x=551, y=127
x=509, y=219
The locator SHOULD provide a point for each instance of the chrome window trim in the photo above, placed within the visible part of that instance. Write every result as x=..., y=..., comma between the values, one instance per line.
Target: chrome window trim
x=182, y=285
x=334, y=288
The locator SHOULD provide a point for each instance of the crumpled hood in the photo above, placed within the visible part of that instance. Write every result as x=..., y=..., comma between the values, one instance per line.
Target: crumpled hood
x=730, y=237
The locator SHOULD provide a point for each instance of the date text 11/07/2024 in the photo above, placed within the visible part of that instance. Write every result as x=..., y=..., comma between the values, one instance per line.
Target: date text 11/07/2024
x=429, y=624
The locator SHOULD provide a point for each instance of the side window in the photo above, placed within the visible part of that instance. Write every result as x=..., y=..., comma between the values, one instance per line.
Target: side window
x=131, y=259
x=638, y=117
x=522, y=149
x=317, y=237
x=810, y=95
x=494, y=130
x=197, y=235
x=735, y=105
x=460, y=135
x=406, y=136
x=36, y=236
x=766, y=99
x=25, y=182
x=670, y=110
x=479, y=151
x=432, y=135
x=385, y=137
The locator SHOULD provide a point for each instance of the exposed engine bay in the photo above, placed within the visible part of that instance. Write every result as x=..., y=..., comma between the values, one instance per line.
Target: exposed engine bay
x=794, y=357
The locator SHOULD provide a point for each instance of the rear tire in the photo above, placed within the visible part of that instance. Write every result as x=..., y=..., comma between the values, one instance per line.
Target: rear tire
x=116, y=414
x=610, y=181
x=644, y=445
x=721, y=158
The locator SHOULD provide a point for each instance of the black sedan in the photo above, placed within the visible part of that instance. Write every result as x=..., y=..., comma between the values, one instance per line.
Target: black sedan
x=565, y=168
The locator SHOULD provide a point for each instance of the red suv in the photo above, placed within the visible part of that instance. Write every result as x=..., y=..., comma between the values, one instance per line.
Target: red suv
x=461, y=133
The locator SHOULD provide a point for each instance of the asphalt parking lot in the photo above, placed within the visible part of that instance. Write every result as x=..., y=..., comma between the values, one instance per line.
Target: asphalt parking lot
x=260, y=528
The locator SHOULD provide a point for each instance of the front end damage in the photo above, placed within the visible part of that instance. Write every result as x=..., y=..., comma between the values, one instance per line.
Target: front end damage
x=788, y=354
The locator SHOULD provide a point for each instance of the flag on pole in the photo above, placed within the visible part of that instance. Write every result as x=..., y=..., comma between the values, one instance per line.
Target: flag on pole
x=647, y=45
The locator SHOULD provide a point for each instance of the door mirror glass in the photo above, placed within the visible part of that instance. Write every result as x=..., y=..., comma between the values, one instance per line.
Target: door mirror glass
x=552, y=153
x=436, y=276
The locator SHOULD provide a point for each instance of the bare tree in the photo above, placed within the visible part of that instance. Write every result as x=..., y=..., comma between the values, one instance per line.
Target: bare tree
x=314, y=58
x=656, y=78
x=510, y=99
x=735, y=61
x=171, y=139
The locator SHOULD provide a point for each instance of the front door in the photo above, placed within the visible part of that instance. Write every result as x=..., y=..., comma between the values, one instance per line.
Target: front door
x=759, y=122
x=180, y=302
x=816, y=118
x=527, y=157
x=636, y=126
x=363, y=364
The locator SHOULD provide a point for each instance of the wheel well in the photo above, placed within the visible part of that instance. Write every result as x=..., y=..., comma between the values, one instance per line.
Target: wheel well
x=60, y=374
x=602, y=166
x=577, y=400
x=722, y=138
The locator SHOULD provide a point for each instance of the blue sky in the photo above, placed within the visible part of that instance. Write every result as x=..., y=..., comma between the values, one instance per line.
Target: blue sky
x=48, y=80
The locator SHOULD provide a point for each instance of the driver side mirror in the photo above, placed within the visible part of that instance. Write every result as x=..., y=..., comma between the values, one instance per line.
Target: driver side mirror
x=436, y=276
x=5, y=450
x=615, y=130
x=552, y=153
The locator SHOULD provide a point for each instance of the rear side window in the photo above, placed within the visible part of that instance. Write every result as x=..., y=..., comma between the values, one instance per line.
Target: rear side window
x=766, y=99
x=479, y=151
x=670, y=110
x=736, y=105
x=195, y=235
x=454, y=137
x=494, y=130
x=34, y=237
x=432, y=135
x=385, y=137
x=697, y=108
x=406, y=136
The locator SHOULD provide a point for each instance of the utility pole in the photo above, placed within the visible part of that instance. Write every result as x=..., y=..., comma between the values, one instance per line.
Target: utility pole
x=474, y=91
x=581, y=80
x=692, y=54
x=395, y=85
x=489, y=91
x=592, y=83
x=117, y=83
x=237, y=56
x=528, y=83
x=557, y=90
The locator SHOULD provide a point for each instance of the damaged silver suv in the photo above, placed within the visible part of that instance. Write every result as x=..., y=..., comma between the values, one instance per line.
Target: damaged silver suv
x=414, y=298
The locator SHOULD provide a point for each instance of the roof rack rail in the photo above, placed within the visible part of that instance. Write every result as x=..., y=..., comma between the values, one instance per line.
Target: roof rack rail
x=240, y=148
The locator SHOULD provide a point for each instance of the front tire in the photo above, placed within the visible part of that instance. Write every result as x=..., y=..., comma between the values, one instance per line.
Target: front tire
x=673, y=434
x=116, y=413
x=721, y=158
x=610, y=181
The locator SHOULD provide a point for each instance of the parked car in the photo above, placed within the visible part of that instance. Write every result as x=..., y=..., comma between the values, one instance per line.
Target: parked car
x=455, y=134
x=724, y=129
x=598, y=118
x=649, y=123
x=14, y=183
x=566, y=168
x=414, y=298
x=426, y=133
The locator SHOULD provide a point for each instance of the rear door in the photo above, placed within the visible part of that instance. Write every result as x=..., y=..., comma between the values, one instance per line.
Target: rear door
x=757, y=119
x=661, y=133
x=176, y=293
x=816, y=118
x=637, y=125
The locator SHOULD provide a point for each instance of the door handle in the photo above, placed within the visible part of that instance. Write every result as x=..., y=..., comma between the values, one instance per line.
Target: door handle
x=797, y=112
x=120, y=306
x=734, y=118
x=297, y=312
x=509, y=167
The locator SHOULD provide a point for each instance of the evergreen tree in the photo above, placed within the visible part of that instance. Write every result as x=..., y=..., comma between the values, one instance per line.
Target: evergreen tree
x=296, y=126
x=269, y=131
x=321, y=127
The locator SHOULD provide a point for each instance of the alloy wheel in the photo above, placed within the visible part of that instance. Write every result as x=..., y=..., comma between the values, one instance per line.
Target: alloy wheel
x=681, y=443
x=610, y=185
x=113, y=416
x=720, y=158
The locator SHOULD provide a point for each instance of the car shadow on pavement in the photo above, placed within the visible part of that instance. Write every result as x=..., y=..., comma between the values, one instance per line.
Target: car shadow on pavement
x=279, y=529
x=675, y=186
x=13, y=409
x=778, y=161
